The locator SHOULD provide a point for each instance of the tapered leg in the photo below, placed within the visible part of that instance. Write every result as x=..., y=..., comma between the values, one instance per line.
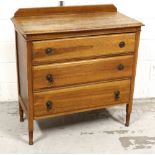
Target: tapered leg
x=30, y=137
x=21, y=113
x=129, y=105
x=128, y=113
x=30, y=128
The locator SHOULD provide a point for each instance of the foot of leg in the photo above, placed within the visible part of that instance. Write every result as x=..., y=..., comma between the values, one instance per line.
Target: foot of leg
x=127, y=119
x=30, y=137
x=127, y=115
x=21, y=113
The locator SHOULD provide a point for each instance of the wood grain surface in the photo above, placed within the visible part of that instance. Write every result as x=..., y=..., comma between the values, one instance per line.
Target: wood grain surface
x=73, y=59
x=81, y=72
x=80, y=48
x=65, y=9
x=22, y=68
x=82, y=97
x=73, y=21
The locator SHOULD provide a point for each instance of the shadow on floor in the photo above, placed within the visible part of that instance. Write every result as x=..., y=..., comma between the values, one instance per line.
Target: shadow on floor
x=90, y=116
x=79, y=118
x=19, y=131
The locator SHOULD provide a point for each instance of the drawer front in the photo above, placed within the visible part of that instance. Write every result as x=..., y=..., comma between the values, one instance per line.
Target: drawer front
x=56, y=75
x=79, y=48
x=81, y=98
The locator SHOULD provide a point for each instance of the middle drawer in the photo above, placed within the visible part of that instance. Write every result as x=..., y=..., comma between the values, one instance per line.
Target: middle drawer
x=62, y=74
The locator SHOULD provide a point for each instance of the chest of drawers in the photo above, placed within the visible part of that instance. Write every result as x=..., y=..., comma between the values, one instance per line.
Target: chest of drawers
x=74, y=59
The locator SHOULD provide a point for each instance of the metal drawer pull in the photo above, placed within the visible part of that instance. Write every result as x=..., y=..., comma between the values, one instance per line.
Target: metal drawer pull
x=49, y=105
x=122, y=44
x=117, y=94
x=49, y=78
x=48, y=51
x=120, y=67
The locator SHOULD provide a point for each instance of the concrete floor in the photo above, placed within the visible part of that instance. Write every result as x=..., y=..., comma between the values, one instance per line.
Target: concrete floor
x=100, y=131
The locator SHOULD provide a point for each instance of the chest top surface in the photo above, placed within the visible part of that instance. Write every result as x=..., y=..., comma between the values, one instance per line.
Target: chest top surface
x=71, y=19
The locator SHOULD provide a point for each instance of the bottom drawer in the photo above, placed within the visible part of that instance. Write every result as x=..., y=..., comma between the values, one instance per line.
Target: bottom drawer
x=70, y=100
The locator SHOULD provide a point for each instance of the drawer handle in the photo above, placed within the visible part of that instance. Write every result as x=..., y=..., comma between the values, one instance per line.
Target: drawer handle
x=117, y=94
x=49, y=78
x=122, y=44
x=120, y=67
x=48, y=51
x=49, y=105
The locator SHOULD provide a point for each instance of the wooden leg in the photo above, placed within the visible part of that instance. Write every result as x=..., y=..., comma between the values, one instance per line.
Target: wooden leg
x=30, y=137
x=30, y=128
x=21, y=113
x=128, y=112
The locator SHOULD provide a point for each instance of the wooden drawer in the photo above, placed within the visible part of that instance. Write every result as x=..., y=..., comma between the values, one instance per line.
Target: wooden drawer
x=79, y=48
x=56, y=75
x=81, y=98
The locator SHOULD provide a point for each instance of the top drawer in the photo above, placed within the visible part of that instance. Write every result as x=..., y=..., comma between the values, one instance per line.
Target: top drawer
x=80, y=48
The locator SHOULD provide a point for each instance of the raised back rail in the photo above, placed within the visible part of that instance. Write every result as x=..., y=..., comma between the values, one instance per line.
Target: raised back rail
x=64, y=9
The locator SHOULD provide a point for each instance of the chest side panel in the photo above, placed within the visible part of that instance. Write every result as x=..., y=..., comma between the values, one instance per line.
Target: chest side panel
x=22, y=67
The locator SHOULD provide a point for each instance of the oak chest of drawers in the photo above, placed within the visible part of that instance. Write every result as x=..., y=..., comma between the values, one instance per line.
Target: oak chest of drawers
x=74, y=59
